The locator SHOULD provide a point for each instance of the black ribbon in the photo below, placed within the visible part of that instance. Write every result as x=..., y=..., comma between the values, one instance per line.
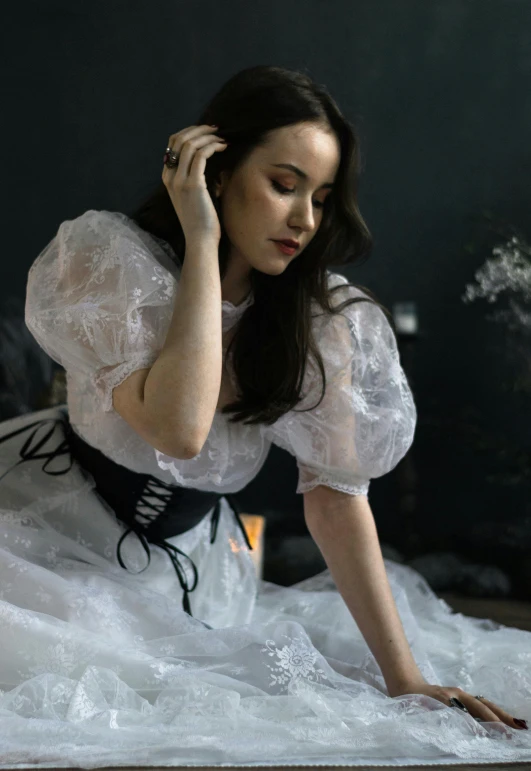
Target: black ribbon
x=31, y=453
x=132, y=488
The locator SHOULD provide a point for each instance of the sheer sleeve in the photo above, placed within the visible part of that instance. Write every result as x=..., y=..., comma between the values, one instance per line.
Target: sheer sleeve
x=98, y=301
x=366, y=421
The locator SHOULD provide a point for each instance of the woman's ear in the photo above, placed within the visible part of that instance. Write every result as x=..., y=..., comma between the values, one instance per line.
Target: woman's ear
x=219, y=184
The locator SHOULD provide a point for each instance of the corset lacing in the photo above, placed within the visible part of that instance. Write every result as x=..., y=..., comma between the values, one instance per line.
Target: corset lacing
x=30, y=451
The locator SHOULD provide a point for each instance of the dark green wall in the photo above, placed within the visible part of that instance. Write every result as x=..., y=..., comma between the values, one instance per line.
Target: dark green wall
x=440, y=92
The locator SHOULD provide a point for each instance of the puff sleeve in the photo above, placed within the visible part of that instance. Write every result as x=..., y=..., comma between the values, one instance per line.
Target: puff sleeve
x=98, y=301
x=366, y=421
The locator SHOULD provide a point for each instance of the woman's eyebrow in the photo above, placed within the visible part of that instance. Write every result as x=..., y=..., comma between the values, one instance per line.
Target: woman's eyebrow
x=299, y=172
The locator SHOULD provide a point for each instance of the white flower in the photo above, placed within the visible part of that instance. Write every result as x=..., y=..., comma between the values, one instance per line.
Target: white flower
x=297, y=659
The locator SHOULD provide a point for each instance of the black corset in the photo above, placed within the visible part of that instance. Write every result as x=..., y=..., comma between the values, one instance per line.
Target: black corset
x=176, y=509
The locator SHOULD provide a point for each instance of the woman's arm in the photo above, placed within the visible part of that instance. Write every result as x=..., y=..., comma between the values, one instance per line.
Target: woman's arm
x=182, y=388
x=343, y=528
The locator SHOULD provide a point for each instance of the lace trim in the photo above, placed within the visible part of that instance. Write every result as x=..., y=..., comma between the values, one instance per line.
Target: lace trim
x=244, y=303
x=232, y=313
x=104, y=382
x=322, y=479
x=209, y=477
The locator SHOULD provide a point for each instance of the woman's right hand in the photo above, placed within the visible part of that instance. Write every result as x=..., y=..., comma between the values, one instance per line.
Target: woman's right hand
x=186, y=182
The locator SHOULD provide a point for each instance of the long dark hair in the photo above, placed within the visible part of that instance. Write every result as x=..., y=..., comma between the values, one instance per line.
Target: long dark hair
x=274, y=335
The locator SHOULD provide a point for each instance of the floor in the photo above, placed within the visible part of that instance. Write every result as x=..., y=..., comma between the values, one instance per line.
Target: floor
x=513, y=613
x=495, y=767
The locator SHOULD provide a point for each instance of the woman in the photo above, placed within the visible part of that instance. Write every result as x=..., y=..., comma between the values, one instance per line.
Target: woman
x=193, y=337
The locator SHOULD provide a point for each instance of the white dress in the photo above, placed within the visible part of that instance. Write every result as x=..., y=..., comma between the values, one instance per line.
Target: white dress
x=101, y=666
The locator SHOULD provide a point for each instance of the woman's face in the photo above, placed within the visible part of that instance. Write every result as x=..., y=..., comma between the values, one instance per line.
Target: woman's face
x=256, y=209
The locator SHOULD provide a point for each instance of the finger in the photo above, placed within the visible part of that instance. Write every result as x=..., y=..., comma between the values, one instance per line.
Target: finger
x=485, y=710
x=502, y=713
x=187, y=152
x=190, y=132
x=193, y=156
x=176, y=141
x=197, y=168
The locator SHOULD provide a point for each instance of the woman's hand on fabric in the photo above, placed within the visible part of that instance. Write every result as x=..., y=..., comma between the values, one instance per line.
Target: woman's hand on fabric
x=483, y=709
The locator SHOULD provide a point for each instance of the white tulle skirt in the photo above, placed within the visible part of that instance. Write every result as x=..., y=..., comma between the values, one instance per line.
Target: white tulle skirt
x=100, y=666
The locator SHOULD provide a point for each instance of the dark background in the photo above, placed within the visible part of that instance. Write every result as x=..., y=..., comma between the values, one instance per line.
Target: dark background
x=440, y=94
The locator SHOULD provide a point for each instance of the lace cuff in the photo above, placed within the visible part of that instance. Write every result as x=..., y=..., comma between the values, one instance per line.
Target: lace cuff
x=108, y=378
x=308, y=479
x=364, y=424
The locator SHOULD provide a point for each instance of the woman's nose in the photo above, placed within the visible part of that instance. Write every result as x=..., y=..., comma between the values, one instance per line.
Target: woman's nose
x=303, y=217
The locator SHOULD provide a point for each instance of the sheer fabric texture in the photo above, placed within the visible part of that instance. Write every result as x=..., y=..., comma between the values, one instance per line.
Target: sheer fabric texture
x=100, y=300
x=100, y=666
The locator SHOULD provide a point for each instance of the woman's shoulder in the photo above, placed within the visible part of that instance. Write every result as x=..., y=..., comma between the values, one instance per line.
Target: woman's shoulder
x=101, y=254
x=96, y=222
x=351, y=290
x=122, y=233
x=340, y=289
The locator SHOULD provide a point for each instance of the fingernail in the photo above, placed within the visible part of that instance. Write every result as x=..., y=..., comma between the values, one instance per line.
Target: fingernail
x=458, y=704
x=520, y=723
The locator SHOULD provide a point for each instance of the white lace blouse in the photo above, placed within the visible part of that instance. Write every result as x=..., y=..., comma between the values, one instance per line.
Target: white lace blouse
x=99, y=301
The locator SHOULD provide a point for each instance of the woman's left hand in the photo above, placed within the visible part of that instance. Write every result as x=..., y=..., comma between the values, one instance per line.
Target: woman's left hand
x=483, y=709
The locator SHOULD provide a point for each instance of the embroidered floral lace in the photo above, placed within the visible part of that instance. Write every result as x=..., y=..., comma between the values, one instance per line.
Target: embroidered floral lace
x=102, y=667
x=99, y=302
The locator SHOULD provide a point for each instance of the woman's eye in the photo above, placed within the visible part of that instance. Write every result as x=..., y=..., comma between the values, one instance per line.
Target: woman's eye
x=284, y=190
